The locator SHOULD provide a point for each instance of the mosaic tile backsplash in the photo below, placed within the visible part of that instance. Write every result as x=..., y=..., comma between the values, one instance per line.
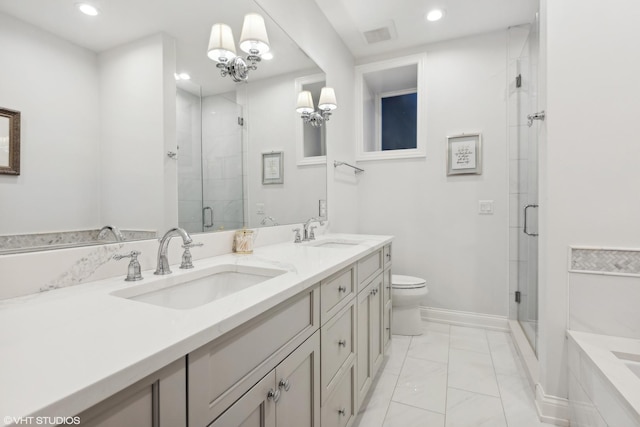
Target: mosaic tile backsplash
x=606, y=260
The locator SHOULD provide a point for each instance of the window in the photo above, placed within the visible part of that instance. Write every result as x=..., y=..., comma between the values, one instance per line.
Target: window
x=398, y=121
x=390, y=109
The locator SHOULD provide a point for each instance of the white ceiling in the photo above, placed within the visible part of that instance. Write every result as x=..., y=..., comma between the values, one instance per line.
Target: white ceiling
x=462, y=18
x=188, y=21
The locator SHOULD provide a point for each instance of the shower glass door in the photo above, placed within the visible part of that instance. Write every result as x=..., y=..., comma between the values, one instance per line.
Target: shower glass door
x=210, y=160
x=527, y=296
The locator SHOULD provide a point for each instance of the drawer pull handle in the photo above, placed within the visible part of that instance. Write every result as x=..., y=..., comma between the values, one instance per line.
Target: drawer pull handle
x=273, y=395
x=389, y=256
x=342, y=412
x=342, y=343
x=342, y=289
x=284, y=384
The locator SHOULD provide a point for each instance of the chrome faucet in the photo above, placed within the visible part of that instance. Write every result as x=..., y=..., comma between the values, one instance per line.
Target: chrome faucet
x=268, y=218
x=114, y=230
x=310, y=235
x=163, y=262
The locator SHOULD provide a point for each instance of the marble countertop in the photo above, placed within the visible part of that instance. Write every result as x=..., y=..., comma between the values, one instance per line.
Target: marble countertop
x=65, y=350
x=601, y=350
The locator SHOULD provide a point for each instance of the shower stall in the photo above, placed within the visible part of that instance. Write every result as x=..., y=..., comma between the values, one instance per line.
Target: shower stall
x=524, y=123
x=210, y=160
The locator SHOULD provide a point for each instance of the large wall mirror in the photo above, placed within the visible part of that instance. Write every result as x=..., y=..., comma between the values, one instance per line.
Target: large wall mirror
x=114, y=133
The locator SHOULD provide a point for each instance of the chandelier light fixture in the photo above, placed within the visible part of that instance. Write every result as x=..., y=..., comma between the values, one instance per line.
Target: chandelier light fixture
x=326, y=104
x=253, y=40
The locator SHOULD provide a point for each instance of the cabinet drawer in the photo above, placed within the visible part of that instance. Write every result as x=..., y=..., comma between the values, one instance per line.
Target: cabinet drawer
x=338, y=347
x=386, y=286
x=369, y=267
x=222, y=370
x=340, y=409
x=336, y=291
x=387, y=255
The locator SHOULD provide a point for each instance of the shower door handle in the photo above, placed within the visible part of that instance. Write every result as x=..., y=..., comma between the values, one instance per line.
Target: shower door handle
x=204, y=217
x=525, y=220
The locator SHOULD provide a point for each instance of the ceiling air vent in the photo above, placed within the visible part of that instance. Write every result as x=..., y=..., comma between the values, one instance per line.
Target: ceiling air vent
x=380, y=33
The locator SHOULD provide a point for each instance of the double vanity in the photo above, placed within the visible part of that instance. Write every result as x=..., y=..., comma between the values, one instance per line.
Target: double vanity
x=291, y=335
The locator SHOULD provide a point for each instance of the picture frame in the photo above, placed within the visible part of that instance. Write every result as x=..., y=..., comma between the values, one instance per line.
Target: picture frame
x=9, y=141
x=464, y=154
x=273, y=168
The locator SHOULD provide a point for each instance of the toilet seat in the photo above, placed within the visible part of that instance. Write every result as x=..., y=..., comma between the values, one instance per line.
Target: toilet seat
x=399, y=281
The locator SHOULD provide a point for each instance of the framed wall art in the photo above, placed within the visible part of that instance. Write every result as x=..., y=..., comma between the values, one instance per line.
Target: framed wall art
x=273, y=167
x=464, y=154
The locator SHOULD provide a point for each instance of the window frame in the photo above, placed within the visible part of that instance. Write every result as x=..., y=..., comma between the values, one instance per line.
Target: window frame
x=420, y=89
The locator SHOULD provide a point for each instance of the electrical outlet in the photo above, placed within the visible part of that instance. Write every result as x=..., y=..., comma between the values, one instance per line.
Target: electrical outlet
x=260, y=208
x=485, y=207
x=322, y=208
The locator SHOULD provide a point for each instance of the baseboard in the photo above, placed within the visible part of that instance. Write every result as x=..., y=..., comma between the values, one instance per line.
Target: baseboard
x=463, y=318
x=551, y=409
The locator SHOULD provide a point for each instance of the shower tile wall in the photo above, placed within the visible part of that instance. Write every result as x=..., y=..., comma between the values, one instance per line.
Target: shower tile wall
x=521, y=185
x=188, y=127
x=222, y=161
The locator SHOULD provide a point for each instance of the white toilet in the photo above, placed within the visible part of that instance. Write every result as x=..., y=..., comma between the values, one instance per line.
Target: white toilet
x=407, y=292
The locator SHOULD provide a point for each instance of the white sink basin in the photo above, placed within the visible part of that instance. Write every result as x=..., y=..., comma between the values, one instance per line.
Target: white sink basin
x=631, y=361
x=220, y=282
x=332, y=243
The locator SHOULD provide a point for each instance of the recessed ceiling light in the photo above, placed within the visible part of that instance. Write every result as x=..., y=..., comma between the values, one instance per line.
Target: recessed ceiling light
x=267, y=56
x=184, y=76
x=435, y=15
x=87, y=9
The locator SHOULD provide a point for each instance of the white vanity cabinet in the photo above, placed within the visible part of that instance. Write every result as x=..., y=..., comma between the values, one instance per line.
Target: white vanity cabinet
x=156, y=400
x=307, y=362
x=353, y=338
x=222, y=371
x=288, y=396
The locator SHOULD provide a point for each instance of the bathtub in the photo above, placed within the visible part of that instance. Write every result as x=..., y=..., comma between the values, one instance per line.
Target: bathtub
x=604, y=380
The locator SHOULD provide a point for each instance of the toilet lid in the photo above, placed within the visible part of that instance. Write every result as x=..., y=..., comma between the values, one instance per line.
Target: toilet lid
x=407, y=282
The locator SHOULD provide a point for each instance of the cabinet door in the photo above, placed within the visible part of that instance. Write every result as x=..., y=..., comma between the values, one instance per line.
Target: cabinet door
x=363, y=377
x=156, y=400
x=376, y=303
x=256, y=408
x=370, y=340
x=298, y=379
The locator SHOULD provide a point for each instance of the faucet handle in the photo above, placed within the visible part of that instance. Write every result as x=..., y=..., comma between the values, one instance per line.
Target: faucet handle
x=298, y=239
x=187, y=259
x=312, y=234
x=133, y=270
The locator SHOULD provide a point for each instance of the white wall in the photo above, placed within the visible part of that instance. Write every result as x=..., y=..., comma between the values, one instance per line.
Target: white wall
x=54, y=84
x=589, y=189
x=271, y=126
x=305, y=23
x=439, y=234
x=137, y=100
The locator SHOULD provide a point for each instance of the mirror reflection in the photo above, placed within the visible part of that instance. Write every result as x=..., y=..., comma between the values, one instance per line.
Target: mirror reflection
x=130, y=124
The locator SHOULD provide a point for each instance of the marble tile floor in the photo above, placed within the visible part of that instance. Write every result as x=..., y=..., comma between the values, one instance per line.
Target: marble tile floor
x=451, y=376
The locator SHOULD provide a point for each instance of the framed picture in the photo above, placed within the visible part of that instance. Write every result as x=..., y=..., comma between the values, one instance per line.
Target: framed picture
x=464, y=154
x=273, y=168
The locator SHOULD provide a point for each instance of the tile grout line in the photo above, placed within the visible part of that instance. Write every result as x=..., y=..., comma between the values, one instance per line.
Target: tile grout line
x=495, y=375
x=446, y=391
x=397, y=380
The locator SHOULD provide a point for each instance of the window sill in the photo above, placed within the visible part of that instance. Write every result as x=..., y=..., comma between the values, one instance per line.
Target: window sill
x=390, y=155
